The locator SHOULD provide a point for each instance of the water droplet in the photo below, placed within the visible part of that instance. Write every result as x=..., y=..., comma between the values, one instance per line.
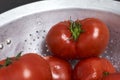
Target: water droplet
x=8, y=41
x=47, y=50
x=105, y=51
x=46, y=45
x=111, y=41
x=107, y=57
x=1, y=46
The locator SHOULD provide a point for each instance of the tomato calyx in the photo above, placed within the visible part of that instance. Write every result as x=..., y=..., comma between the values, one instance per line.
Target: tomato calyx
x=9, y=61
x=19, y=55
x=76, y=29
x=105, y=74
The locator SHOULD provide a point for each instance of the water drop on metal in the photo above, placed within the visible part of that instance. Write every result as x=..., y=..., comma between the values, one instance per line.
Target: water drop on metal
x=1, y=46
x=8, y=41
x=47, y=50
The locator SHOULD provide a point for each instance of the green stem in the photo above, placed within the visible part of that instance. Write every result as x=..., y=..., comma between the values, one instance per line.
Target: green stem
x=9, y=61
x=76, y=29
x=106, y=73
x=18, y=55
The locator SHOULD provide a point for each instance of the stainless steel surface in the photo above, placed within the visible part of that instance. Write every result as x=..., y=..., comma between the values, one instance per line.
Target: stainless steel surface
x=25, y=28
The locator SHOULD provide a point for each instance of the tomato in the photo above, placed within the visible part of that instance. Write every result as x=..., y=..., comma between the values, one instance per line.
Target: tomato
x=78, y=39
x=115, y=76
x=27, y=67
x=92, y=69
x=61, y=69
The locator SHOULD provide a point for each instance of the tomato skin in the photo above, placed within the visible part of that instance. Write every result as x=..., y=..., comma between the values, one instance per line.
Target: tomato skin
x=58, y=41
x=27, y=67
x=92, y=69
x=95, y=38
x=91, y=42
x=114, y=76
x=61, y=69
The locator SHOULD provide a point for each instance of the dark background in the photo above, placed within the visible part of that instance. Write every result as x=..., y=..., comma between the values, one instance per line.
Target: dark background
x=9, y=4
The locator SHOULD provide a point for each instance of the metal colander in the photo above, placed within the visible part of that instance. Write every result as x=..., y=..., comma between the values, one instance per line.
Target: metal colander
x=27, y=32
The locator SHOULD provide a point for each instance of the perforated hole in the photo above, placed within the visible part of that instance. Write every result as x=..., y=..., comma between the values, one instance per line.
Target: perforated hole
x=30, y=34
x=33, y=41
x=25, y=40
x=37, y=31
x=38, y=37
x=43, y=37
x=44, y=31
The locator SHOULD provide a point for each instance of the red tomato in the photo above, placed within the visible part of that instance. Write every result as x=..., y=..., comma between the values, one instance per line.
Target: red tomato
x=78, y=39
x=27, y=67
x=115, y=76
x=92, y=69
x=61, y=69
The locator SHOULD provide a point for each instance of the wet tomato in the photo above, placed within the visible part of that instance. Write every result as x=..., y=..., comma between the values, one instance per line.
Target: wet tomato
x=78, y=39
x=92, y=69
x=27, y=67
x=61, y=69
